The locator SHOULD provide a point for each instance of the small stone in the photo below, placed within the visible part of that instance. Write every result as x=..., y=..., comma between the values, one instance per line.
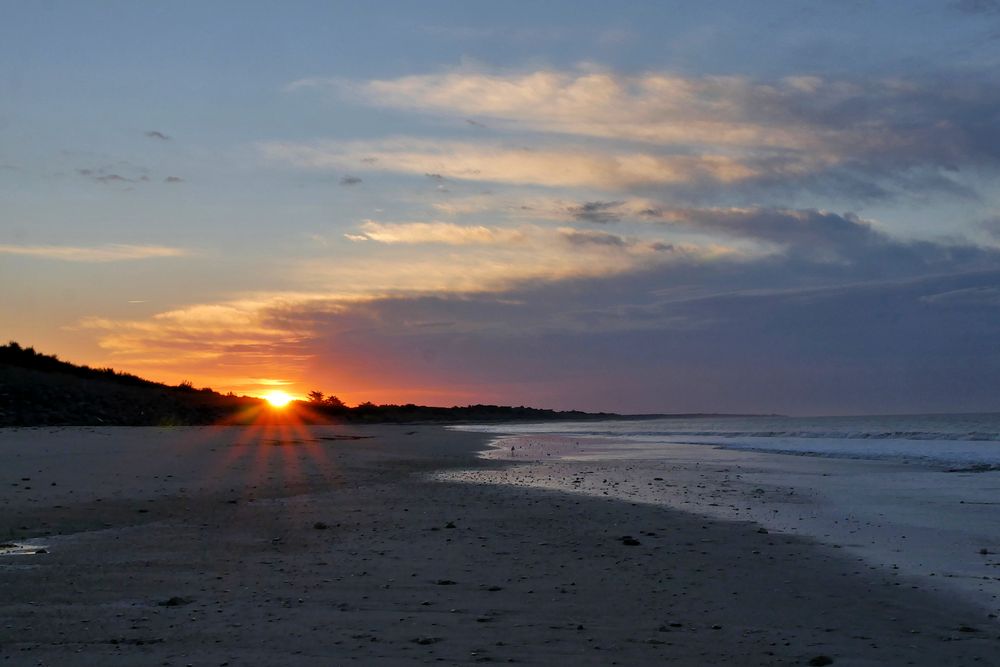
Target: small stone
x=445, y=582
x=424, y=641
x=820, y=660
x=630, y=541
x=319, y=525
x=175, y=601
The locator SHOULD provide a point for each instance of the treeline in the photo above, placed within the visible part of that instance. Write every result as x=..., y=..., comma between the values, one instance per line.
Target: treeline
x=42, y=390
x=367, y=412
x=12, y=354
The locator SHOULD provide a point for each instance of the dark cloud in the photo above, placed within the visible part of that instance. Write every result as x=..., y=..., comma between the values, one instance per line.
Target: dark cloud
x=436, y=177
x=173, y=179
x=119, y=172
x=114, y=178
x=982, y=295
x=597, y=211
x=350, y=180
x=812, y=236
x=594, y=238
x=977, y=7
x=872, y=348
x=992, y=226
x=475, y=123
x=845, y=320
x=154, y=134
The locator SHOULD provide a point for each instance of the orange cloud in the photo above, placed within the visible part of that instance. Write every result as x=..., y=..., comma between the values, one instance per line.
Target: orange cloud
x=653, y=107
x=552, y=167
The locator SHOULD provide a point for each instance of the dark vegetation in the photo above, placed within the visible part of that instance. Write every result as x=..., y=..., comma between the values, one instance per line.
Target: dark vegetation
x=42, y=390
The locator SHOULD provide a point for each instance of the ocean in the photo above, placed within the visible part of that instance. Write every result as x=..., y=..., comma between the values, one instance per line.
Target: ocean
x=948, y=440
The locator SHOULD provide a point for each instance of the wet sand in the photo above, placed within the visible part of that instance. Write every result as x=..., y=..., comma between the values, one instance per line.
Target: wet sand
x=235, y=546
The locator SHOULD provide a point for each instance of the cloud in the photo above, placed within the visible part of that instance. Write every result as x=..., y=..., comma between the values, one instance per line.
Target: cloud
x=597, y=211
x=154, y=134
x=982, y=295
x=350, y=180
x=435, y=232
x=105, y=253
x=173, y=179
x=977, y=7
x=863, y=322
x=555, y=167
x=578, y=237
x=122, y=172
x=232, y=344
x=870, y=138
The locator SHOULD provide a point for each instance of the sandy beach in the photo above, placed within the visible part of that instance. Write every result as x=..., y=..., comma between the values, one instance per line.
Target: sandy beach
x=326, y=545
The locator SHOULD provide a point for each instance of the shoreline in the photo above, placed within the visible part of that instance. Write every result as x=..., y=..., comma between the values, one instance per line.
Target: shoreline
x=933, y=525
x=184, y=546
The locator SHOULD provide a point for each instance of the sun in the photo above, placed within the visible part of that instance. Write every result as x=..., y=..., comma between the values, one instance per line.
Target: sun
x=277, y=399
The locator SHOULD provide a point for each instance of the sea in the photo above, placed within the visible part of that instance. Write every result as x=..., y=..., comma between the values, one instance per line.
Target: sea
x=949, y=440
x=915, y=495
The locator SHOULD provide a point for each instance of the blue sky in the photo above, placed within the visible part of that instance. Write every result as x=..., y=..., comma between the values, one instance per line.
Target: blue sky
x=715, y=206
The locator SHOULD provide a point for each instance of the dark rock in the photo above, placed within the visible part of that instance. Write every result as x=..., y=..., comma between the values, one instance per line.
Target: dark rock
x=630, y=541
x=968, y=628
x=820, y=660
x=319, y=525
x=445, y=582
x=424, y=641
x=175, y=601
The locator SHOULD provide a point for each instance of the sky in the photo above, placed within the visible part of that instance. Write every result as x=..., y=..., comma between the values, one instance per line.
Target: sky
x=777, y=207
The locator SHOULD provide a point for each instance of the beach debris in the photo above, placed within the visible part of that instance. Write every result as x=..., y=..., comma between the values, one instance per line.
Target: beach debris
x=820, y=660
x=15, y=549
x=629, y=541
x=175, y=601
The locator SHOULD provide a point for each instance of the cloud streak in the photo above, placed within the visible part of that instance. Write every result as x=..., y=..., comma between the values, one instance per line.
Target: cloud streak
x=551, y=167
x=115, y=252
